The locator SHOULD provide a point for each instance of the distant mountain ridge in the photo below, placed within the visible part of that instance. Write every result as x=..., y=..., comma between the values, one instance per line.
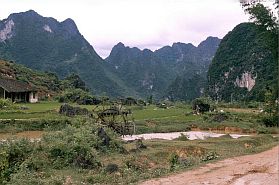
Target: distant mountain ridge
x=152, y=73
x=45, y=44
x=48, y=45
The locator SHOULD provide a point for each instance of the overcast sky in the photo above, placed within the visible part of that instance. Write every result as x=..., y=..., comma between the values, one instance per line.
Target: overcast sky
x=141, y=23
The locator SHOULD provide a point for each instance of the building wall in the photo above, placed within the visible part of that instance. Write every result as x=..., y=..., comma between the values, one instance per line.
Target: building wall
x=33, y=97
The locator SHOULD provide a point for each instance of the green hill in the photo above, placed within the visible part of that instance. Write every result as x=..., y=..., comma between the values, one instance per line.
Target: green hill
x=46, y=83
x=45, y=44
x=245, y=65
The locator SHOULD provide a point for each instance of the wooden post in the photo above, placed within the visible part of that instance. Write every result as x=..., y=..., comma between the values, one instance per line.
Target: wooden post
x=4, y=94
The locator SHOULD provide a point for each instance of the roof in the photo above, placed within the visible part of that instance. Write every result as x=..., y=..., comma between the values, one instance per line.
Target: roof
x=12, y=85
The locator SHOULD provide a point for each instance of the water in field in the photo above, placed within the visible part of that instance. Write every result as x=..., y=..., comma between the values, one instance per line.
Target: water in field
x=192, y=135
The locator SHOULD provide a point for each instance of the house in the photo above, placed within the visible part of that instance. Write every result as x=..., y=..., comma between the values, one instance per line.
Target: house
x=17, y=91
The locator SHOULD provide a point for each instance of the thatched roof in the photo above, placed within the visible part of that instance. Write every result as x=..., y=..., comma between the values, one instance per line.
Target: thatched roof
x=11, y=85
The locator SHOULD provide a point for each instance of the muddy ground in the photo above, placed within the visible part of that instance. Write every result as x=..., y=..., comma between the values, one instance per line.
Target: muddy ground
x=257, y=169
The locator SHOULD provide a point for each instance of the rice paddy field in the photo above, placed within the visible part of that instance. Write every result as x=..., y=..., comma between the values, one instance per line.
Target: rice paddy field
x=40, y=146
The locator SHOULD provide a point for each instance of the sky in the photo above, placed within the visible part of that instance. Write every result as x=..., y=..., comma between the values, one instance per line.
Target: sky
x=144, y=24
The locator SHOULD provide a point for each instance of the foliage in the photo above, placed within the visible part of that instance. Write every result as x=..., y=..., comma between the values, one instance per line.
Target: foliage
x=151, y=73
x=271, y=107
x=250, y=47
x=173, y=160
x=182, y=137
x=210, y=156
x=202, y=104
x=246, y=49
x=263, y=17
x=73, y=81
x=187, y=88
x=12, y=155
x=47, y=83
x=33, y=125
x=7, y=104
x=63, y=51
x=74, y=146
x=111, y=168
x=78, y=96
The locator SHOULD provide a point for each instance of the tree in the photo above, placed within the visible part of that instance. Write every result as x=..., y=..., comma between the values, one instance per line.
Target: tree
x=260, y=14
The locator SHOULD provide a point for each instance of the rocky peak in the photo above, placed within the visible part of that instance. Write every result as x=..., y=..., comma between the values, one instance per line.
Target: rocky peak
x=70, y=26
x=210, y=42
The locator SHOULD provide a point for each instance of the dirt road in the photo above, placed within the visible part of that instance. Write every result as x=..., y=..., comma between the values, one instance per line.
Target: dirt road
x=257, y=169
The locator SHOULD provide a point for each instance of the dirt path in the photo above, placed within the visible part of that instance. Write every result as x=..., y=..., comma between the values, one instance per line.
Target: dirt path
x=257, y=169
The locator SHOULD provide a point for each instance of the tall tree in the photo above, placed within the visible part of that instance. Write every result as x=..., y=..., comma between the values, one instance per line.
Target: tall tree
x=261, y=15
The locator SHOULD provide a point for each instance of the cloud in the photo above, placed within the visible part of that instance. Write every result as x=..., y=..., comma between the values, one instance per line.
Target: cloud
x=142, y=23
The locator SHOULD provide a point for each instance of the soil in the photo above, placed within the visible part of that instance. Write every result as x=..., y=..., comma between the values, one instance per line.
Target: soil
x=256, y=169
x=25, y=134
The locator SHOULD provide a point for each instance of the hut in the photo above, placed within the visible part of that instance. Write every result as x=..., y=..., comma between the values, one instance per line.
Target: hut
x=17, y=91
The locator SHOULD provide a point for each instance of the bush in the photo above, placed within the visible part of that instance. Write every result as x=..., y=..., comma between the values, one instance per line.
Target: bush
x=173, y=160
x=78, y=96
x=111, y=168
x=7, y=104
x=182, y=137
x=209, y=156
x=22, y=125
x=12, y=155
x=201, y=105
x=270, y=121
x=76, y=147
x=69, y=110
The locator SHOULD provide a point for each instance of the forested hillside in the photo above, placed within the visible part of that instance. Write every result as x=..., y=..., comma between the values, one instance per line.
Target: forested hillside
x=245, y=66
x=48, y=45
x=157, y=73
x=45, y=44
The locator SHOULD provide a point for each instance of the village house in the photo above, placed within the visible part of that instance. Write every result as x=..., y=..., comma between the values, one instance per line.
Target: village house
x=17, y=91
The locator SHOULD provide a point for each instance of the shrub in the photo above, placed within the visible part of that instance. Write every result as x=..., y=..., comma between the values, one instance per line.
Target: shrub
x=55, y=124
x=209, y=156
x=7, y=104
x=69, y=110
x=270, y=121
x=173, y=160
x=201, y=105
x=75, y=147
x=182, y=137
x=78, y=96
x=12, y=155
x=111, y=168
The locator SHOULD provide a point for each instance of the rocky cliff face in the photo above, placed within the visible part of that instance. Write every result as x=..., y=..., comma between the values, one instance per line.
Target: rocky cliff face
x=245, y=65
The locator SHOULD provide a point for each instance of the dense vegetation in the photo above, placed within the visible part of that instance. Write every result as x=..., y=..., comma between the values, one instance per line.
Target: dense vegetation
x=251, y=49
x=48, y=45
x=157, y=73
x=77, y=149
x=72, y=150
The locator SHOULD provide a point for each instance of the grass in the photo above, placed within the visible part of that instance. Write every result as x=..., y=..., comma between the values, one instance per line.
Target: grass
x=153, y=119
x=161, y=157
x=155, y=161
